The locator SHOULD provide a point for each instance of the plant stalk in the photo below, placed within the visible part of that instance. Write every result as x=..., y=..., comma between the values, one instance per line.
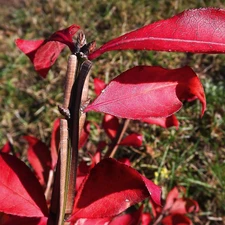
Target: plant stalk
x=115, y=143
x=60, y=187
x=75, y=128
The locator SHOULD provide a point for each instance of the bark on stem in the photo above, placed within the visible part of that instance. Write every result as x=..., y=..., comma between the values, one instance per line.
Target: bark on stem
x=74, y=129
x=57, y=209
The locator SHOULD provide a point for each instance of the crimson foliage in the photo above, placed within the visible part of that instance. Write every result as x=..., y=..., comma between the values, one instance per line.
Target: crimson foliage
x=150, y=94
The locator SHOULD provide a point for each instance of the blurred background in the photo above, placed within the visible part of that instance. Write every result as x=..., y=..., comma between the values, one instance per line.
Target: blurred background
x=192, y=156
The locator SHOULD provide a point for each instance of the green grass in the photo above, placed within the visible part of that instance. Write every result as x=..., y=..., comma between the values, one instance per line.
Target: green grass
x=192, y=156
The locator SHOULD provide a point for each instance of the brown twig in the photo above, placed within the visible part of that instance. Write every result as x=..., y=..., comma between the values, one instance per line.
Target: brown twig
x=57, y=209
x=54, y=207
x=11, y=144
x=114, y=145
x=49, y=185
x=84, y=103
x=159, y=219
x=64, y=175
x=74, y=129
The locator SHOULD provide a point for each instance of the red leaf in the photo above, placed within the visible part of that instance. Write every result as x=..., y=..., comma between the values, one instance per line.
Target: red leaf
x=39, y=157
x=65, y=36
x=96, y=158
x=146, y=219
x=125, y=161
x=176, y=205
x=176, y=220
x=79, y=181
x=184, y=206
x=9, y=148
x=82, y=170
x=164, y=122
x=172, y=196
x=156, y=209
x=6, y=148
x=29, y=47
x=133, y=218
x=55, y=142
x=17, y=220
x=99, y=221
x=20, y=192
x=43, y=53
x=99, y=85
x=132, y=140
x=154, y=190
x=111, y=125
x=84, y=134
x=146, y=91
x=110, y=188
x=195, y=30
x=101, y=145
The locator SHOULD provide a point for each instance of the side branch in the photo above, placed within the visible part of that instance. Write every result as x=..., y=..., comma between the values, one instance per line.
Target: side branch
x=115, y=143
